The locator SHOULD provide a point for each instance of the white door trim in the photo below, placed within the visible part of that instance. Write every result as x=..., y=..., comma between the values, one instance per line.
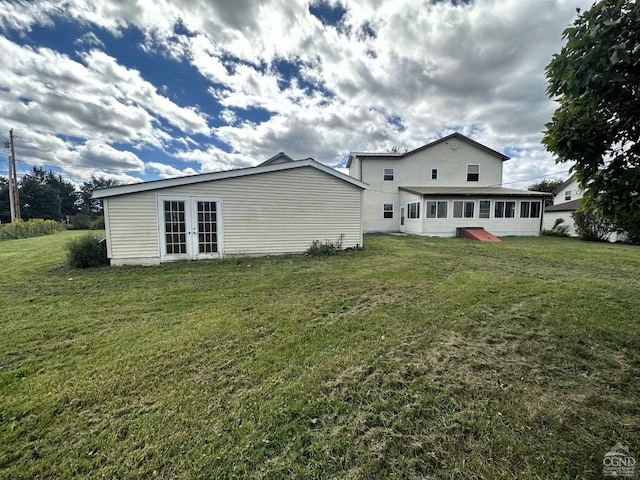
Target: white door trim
x=188, y=235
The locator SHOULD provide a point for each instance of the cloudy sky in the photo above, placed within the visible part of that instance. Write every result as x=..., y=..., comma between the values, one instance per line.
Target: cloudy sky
x=148, y=89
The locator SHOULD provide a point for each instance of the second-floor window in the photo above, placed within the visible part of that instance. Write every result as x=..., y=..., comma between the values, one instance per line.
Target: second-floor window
x=567, y=195
x=473, y=173
x=388, y=174
x=434, y=174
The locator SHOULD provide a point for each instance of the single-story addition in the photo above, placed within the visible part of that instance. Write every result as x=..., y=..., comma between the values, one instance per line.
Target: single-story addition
x=447, y=210
x=281, y=206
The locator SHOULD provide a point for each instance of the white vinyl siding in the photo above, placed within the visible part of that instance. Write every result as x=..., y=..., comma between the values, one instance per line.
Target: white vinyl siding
x=269, y=213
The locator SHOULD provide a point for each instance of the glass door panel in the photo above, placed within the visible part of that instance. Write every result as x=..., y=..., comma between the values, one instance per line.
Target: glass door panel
x=207, y=224
x=175, y=227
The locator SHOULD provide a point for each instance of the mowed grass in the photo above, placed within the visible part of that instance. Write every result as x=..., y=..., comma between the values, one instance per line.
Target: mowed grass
x=416, y=358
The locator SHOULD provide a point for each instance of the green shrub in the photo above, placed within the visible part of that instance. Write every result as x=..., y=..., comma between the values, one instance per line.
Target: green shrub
x=327, y=247
x=32, y=228
x=87, y=252
x=558, y=229
x=592, y=228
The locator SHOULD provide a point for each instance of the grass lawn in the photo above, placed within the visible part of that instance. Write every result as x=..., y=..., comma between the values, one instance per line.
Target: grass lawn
x=416, y=358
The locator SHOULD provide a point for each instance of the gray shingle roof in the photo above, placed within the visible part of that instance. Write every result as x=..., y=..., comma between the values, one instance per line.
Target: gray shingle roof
x=571, y=206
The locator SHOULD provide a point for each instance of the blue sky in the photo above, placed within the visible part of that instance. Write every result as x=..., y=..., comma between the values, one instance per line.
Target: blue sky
x=149, y=89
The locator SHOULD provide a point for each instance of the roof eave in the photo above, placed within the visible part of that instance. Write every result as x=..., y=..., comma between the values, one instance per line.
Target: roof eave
x=207, y=177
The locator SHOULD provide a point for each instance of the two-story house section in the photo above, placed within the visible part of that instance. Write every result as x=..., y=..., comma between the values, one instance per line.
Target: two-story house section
x=451, y=183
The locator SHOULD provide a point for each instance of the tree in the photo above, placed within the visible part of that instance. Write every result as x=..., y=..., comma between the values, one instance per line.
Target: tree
x=596, y=80
x=90, y=206
x=66, y=192
x=5, y=204
x=47, y=195
x=396, y=149
x=547, y=186
x=38, y=200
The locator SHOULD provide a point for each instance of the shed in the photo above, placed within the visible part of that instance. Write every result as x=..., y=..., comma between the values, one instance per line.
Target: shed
x=275, y=208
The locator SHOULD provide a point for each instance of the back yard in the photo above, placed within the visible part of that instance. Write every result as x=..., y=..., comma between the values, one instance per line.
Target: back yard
x=416, y=358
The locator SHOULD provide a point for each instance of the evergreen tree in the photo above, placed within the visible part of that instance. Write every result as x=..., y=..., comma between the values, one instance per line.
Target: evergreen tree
x=5, y=205
x=47, y=195
x=90, y=206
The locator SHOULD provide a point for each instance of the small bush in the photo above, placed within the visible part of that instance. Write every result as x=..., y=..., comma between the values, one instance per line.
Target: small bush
x=558, y=229
x=327, y=247
x=87, y=252
x=318, y=248
x=629, y=230
x=591, y=228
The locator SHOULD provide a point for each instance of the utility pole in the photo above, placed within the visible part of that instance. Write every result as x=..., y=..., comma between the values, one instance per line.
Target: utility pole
x=14, y=198
x=12, y=201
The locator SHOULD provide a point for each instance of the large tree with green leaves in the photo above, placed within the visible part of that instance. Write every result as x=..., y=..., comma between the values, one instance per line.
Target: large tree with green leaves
x=547, y=186
x=5, y=208
x=596, y=80
x=91, y=206
x=47, y=195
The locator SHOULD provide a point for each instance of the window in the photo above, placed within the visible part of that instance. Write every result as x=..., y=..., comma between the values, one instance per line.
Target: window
x=436, y=209
x=434, y=174
x=387, y=210
x=504, y=210
x=567, y=195
x=389, y=174
x=413, y=210
x=530, y=209
x=463, y=209
x=485, y=209
x=473, y=173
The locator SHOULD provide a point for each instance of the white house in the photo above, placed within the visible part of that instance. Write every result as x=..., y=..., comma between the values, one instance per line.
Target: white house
x=280, y=206
x=566, y=200
x=442, y=187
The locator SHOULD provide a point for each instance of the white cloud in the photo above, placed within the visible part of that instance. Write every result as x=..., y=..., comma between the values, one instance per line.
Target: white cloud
x=431, y=67
x=96, y=154
x=167, y=171
x=90, y=39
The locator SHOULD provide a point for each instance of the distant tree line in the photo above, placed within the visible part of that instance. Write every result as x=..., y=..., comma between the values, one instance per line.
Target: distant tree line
x=50, y=196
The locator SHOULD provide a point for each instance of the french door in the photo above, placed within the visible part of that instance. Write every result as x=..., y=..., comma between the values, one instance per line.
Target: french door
x=190, y=227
